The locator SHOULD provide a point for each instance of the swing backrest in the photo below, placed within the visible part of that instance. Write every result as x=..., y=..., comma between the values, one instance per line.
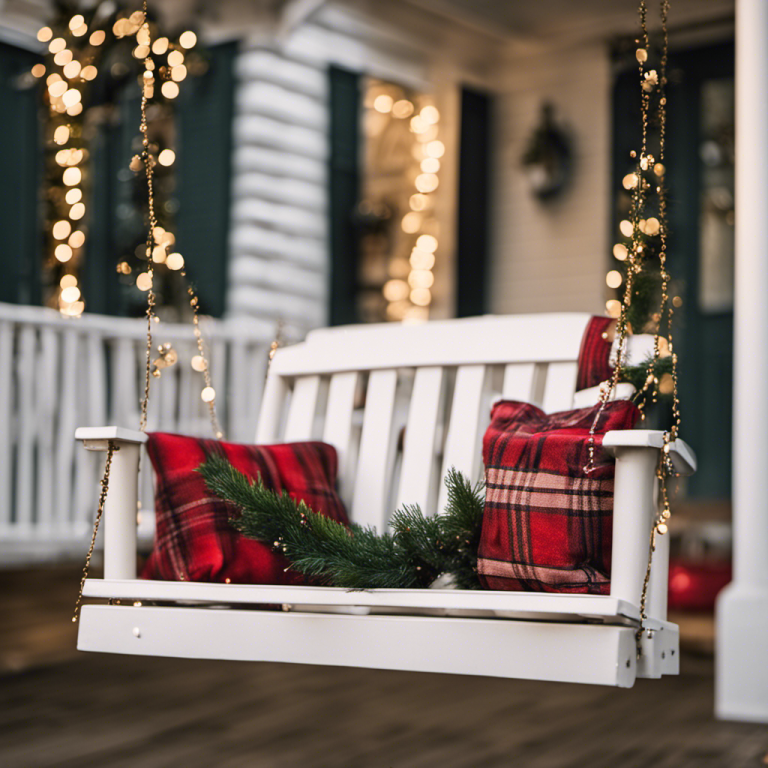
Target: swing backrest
x=404, y=403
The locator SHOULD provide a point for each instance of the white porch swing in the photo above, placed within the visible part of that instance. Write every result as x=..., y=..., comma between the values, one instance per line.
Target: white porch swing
x=437, y=380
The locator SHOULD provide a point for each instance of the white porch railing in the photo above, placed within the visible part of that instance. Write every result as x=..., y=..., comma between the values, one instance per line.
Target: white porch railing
x=58, y=374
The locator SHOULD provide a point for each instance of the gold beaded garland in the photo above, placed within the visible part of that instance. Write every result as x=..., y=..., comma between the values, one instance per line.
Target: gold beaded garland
x=650, y=81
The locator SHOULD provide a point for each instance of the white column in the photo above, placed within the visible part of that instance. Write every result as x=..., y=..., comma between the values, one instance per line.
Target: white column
x=742, y=610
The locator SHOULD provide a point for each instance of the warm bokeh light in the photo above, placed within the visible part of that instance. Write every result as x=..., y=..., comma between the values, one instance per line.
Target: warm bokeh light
x=63, y=252
x=208, y=395
x=44, y=34
x=160, y=46
x=426, y=182
x=178, y=73
x=625, y=227
x=422, y=259
x=77, y=211
x=421, y=297
x=174, y=261
x=38, y=70
x=76, y=21
x=430, y=115
x=421, y=278
x=98, y=37
x=57, y=89
x=88, y=72
x=613, y=307
x=396, y=290
x=71, y=177
x=418, y=202
x=61, y=134
x=411, y=222
x=435, y=149
x=427, y=243
x=144, y=281
x=620, y=252
x=61, y=229
x=75, y=109
x=76, y=239
x=430, y=165
x=72, y=97
x=72, y=69
x=62, y=57
x=402, y=109
x=73, y=196
x=188, y=39
x=169, y=89
x=383, y=103
x=419, y=124
x=166, y=157
x=629, y=181
x=198, y=363
x=70, y=294
x=57, y=44
x=175, y=58
x=614, y=279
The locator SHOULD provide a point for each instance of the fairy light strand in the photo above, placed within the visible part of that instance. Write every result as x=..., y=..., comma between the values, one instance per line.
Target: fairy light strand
x=650, y=80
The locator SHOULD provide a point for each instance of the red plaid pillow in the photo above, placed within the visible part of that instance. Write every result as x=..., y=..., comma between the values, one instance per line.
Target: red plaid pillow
x=594, y=354
x=194, y=540
x=547, y=525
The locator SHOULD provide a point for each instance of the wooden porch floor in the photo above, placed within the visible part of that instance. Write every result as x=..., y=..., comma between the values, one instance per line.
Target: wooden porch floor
x=121, y=712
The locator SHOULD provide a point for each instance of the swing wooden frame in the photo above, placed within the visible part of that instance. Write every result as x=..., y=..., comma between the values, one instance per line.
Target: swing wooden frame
x=427, y=393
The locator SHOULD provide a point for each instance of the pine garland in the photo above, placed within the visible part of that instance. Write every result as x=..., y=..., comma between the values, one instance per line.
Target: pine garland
x=638, y=374
x=418, y=550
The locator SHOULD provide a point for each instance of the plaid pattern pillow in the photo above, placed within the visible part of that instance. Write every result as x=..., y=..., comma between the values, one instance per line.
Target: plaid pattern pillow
x=594, y=354
x=194, y=540
x=547, y=525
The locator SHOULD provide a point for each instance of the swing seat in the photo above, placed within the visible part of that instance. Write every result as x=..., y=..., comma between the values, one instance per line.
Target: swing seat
x=402, y=404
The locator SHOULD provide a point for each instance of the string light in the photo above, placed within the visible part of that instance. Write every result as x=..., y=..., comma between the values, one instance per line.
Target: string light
x=188, y=39
x=166, y=157
x=382, y=103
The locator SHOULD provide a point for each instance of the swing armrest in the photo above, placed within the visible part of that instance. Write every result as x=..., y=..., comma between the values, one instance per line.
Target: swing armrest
x=96, y=438
x=683, y=456
x=635, y=506
x=121, y=504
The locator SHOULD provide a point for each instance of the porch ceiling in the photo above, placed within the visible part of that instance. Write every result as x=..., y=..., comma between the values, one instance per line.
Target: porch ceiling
x=547, y=19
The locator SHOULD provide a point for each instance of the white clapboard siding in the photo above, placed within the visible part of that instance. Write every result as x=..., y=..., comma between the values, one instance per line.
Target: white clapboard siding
x=261, y=98
x=256, y=240
x=297, y=192
x=269, y=160
x=278, y=265
x=268, y=66
x=275, y=274
x=57, y=374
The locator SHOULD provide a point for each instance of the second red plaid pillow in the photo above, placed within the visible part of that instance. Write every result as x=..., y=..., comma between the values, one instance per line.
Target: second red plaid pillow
x=194, y=540
x=547, y=525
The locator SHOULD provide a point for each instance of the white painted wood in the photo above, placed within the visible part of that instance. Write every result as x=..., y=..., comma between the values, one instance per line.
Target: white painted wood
x=46, y=398
x=338, y=424
x=524, y=382
x=7, y=430
x=578, y=653
x=301, y=414
x=634, y=506
x=275, y=393
x=513, y=604
x=27, y=420
x=470, y=341
x=560, y=387
x=586, y=398
x=66, y=425
x=419, y=448
x=369, y=506
x=467, y=421
x=742, y=610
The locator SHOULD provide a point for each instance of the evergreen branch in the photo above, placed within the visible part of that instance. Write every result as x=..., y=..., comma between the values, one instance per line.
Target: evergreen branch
x=418, y=551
